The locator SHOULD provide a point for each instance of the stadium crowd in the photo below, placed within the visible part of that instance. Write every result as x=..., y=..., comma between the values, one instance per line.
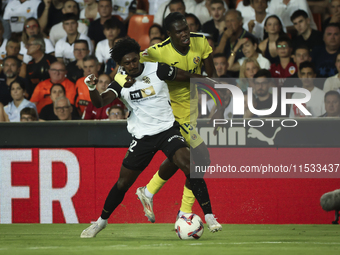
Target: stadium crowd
x=48, y=47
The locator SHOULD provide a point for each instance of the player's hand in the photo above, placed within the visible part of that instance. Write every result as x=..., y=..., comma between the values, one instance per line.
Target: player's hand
x=91, y=82
x=129, y=82
x=335, y=18
x=251, y=25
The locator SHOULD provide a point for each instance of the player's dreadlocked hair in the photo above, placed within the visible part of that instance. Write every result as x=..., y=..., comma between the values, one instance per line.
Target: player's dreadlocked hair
x=172, y=18
x=123, y=47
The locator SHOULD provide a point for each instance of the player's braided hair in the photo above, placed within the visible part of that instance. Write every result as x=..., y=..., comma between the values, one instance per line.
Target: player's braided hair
x=123, y=47
x=172, y=18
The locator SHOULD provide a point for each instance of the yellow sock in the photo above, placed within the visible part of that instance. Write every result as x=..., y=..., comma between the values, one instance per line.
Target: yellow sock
x=155, y=184
x=188, y=200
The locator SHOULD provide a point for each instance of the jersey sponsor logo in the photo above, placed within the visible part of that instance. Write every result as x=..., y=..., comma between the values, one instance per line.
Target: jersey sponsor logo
x=176, y=136
x=197, y=60
x=292, y=70
x=142, y=93
x=145, y=53
x=146, y=79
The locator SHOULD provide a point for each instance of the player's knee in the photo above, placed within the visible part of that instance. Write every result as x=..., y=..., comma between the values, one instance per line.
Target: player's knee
x=182, y=160
x=123, y=184
x=201, y=155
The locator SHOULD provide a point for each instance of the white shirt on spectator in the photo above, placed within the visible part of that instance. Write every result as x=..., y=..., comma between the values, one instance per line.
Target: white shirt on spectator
x=65, y=50
x=81, y=4
x=285, y=11
x=247, y=11
x=82, y=15
x=315, y=105
x=49, y=48
x=57, y=31
x=154, y=5
x=258, y=30
x=332, y=83
x=121, y=8
x=3, y=52
x=103, y=51
x=13, y=112
x=17, y=13
x=263, y=62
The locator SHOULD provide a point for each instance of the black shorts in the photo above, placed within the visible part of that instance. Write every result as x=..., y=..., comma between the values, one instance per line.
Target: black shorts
x=141, y=151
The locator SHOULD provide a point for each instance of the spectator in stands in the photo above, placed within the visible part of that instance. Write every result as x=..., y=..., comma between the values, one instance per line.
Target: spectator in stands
x=6, y=27
x=91, y=66
x=111, y=32
x=3, y=42
x=124, y=9
x=156, y=31
x=333, y=82
x=273, y=29
x=248, y=44
x=255, y=24
x=51, y=13
x=316, y=104
x=221, y=65
x=332, y=104
x=247, y=113
x=231, y=36
x=93, y=113
x=215, y=27
x=284, y=9
x=64, y=47
x=306, y=35
x=96, y=27
x=193, y=22
x=12, y=110
x=116, y=112
x=37, y=68
x=57, y=31
x=63, y=109
x=31, y=27
x=41, y=94
x=227, y=104
x=248, y=69
x=17, y=11
x=13, y=47
x=173, y=6
x=245, y=8
x=75, y=68
x=28, y=114
x=335, y=14
x=47, y=112
x=155, y=40
x=10, y=73
x=90, y=12
x=324, y=56
x=286, y=67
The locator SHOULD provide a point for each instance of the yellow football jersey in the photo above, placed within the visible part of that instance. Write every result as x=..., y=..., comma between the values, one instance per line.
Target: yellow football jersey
x=191, y=62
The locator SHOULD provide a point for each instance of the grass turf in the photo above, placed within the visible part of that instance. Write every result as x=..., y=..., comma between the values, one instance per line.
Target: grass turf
x=151, y=239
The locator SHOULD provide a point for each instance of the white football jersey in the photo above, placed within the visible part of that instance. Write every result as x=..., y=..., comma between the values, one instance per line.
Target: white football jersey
x=148, y=100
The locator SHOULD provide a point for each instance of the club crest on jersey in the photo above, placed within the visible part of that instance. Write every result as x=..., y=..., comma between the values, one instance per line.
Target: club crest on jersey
x=197, y=60
x=142, y=93
x=292, y=70
x=145, y=53
x=146, y=79
x=28, y=10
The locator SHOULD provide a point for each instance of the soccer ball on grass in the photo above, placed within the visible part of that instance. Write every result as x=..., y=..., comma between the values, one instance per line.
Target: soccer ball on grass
x=189, y=226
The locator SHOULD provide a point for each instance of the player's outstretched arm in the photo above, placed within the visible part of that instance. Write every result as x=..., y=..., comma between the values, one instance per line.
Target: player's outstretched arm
x=98, y=100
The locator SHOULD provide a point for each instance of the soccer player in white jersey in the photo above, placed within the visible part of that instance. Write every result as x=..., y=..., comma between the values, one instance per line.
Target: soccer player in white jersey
x=151, y=124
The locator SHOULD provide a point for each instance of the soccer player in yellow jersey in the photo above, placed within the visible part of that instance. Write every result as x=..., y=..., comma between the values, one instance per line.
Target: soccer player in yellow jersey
x=187, y=51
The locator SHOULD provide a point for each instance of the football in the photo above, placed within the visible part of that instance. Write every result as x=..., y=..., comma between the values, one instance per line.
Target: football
x=189, y=226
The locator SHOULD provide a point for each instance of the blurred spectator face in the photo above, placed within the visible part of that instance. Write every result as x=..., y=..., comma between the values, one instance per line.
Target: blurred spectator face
x=217, y=11
x=283, y=50
x=57, y=72
x=301, y=24
x=56, y=92
x=10, y=68
x=12, y=49
x=262, y=86
x=87, y=2
x=259, y=6
x=17, y=92
x=63, y=110
x=337, y=63
x=193, y=27
x=335, y=6
x=32, y=47
x=116, y=114
x=32, y=28
x=70, y=27
x=332, y=37
x=104, y=9
x=301, y=55
x=90, y=67
x=111, y=33
x=307, y=75
x=70, y=7
x=273, y=26
x=332, y=106
x=251, y=70
x=154, y=32
x=249, y=49
x=80, y=51
x=232, y=22
x=178, y=7
x=103, y=82
x=221, y=65
x=27, y=118
x=155, y=41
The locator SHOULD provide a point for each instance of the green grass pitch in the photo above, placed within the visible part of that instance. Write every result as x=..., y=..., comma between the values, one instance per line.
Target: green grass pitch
x=161, y=239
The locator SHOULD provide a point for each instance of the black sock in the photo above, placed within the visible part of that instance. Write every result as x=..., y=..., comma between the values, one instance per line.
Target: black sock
x=113, y=199
x=200, y=190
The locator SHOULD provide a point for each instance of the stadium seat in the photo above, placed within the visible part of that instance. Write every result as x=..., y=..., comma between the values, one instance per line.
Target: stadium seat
x=144, y=42
x=318, y=20
x=139, y=26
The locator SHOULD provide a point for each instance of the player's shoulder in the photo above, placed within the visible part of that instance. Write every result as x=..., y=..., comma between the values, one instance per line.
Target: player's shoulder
x=196, y=35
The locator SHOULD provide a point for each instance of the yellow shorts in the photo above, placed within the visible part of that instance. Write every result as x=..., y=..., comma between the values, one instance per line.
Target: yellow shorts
x=190, y=135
